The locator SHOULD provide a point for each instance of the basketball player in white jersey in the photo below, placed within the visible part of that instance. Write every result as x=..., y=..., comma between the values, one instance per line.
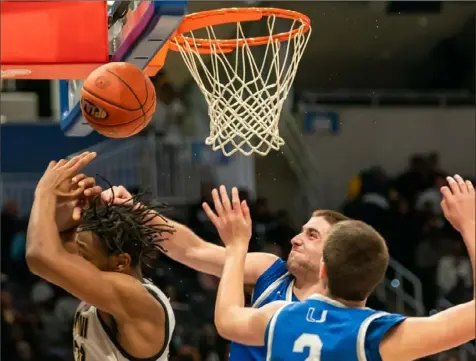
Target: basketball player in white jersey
x=122, y=316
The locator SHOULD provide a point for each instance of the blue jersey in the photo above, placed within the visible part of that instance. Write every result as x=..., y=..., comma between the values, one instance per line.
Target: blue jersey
x=321, y=329
x=275, y=284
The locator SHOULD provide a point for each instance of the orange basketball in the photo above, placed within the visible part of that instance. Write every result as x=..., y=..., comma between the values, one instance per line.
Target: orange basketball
x=118, y=100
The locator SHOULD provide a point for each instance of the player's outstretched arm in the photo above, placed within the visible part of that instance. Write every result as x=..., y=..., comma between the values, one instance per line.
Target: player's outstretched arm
x=233, y=320
x=423, y=336
x=187, y=248
x=114, y=293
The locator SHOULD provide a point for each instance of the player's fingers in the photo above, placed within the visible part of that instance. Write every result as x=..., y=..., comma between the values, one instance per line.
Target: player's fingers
x=72, y=194
x=461, y=184
x=93, y=191
x=121, y=192
x=224, y=199
x=81, y=163
x=246, y=211
x=453, y=185
x=77, y=211
x=51, y=165
x=217, y=202
x=67, y=164
x=106, y=195
x=78, y=178
x=76, y=159
x=444, y=207
x=235, y=199
x=60, y=163
x=210, y=214
x=446, y=192
x=470, y=186
x=87, y=182
x=115, y=195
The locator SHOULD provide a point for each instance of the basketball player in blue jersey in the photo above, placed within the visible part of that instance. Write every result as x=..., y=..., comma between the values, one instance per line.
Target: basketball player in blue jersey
x=336, y=325
x=273, y=279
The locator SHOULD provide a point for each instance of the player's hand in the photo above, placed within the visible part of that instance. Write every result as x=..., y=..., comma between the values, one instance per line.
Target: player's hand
x=116, y=195
x=232, y=219
x=57, y=179
x=68, y=214
x=459, y=203
x=91, y=191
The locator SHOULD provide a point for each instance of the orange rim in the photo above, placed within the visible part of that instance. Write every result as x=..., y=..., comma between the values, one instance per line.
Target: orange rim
x=207, y=18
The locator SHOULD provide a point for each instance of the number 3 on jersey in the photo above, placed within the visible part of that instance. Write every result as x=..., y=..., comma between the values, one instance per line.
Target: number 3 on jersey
x=311, y=341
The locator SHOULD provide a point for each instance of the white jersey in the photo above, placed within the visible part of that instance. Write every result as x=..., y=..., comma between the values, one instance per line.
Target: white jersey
x=93, y=341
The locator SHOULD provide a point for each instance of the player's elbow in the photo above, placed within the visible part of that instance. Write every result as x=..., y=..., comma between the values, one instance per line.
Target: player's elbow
x=221, y=326
x=33, y=261
x=36, y=260
x=224, y=323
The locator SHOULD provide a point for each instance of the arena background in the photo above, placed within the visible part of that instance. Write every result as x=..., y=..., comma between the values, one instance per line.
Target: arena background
x=383, y=107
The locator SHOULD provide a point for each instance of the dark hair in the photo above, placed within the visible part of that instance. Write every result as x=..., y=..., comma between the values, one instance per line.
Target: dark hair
x=126, y=228
x=332, y=217
x=356, y=258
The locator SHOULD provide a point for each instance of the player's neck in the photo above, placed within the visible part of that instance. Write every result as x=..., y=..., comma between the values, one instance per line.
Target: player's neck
x=136, y=273
x=351, y=304
x=304, y=288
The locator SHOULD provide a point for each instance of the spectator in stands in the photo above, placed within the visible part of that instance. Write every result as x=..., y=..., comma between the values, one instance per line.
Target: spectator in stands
x=405, y=232
x=415, y=179
x=43, y=297
x=211, y=346
x=430, y=198
x=454, y=273
x=426, y=260
x=373, y=202
x=433, y=160
x=8, y=349
x=17, y=327
x=17, y=262
x=187, y=353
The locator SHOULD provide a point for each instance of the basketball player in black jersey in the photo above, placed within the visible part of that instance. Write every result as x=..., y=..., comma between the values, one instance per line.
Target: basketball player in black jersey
x=122, y=316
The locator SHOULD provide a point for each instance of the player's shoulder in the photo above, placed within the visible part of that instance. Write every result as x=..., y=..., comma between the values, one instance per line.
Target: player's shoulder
x=277, y=268
x=135, y=296
x=373, y=331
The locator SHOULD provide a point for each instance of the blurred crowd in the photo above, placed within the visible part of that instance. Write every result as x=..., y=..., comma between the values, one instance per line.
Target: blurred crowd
x=406, y=210
x=37, y=316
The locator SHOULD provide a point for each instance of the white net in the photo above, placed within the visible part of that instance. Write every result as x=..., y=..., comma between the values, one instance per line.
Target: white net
x=245, y=89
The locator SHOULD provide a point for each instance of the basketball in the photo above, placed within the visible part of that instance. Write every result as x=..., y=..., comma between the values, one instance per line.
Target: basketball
x=118, y=100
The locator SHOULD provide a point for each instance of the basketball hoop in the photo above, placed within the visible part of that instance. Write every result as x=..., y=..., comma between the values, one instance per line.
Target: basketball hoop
x=245, y=97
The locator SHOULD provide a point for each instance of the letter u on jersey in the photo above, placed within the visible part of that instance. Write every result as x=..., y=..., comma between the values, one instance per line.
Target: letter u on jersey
x=310, y=316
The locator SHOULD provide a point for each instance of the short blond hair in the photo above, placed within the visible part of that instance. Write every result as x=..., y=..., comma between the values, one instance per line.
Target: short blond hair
x=332, y=217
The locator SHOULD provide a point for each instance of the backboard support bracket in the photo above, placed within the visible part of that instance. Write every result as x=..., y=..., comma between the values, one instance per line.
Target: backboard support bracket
x=139, y=47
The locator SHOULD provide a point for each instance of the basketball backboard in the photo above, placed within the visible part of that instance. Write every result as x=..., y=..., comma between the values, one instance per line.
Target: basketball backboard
x=67, y=40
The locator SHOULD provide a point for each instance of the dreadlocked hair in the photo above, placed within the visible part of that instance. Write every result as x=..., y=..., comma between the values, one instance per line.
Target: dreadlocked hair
x=125, y=228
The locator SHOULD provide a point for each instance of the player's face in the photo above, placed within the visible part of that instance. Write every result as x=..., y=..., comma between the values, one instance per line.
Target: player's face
x=89, y=247
x=307, y=247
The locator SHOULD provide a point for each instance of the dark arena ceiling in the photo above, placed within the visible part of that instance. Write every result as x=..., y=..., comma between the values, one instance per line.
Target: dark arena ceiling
x=376, y=44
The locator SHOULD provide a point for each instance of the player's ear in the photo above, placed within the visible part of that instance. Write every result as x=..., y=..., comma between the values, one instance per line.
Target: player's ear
x=122, y=262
